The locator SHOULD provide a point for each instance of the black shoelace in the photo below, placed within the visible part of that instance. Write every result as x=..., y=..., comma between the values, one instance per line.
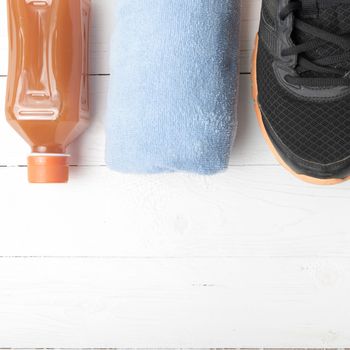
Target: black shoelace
x=323, y=66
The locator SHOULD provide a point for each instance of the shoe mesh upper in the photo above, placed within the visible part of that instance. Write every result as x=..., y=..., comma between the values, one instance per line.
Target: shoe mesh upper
x=315, y=131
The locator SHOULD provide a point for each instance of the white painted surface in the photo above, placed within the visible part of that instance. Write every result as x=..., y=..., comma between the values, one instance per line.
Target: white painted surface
x=185, y=302
x=248, y=258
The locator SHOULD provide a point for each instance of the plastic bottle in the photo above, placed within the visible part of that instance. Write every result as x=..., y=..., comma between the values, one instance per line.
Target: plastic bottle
x=47, y=91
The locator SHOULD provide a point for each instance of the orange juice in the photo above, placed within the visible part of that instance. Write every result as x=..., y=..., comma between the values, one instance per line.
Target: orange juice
x=47, y=99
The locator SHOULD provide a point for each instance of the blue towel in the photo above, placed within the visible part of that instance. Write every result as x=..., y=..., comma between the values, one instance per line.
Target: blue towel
x=173, y=87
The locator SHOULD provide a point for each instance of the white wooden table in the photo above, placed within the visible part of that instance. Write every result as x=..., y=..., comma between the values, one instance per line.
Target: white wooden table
x=249, y=258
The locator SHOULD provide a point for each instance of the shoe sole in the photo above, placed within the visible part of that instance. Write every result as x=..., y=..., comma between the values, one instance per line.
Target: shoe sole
x=305, y=178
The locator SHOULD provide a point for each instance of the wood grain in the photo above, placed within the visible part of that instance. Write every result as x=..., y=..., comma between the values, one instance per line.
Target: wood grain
x=174, y=303
x=247, y=211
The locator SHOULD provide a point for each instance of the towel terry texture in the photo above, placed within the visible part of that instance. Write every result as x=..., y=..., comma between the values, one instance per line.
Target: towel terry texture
x=173, y=87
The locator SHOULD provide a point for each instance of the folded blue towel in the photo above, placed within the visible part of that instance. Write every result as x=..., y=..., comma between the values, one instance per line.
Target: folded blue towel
x=173, y=87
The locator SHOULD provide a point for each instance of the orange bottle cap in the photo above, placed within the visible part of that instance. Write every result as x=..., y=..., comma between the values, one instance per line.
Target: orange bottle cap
x=48, y=168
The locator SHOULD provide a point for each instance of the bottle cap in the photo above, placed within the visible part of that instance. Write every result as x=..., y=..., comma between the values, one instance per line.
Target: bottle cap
x=48, y=168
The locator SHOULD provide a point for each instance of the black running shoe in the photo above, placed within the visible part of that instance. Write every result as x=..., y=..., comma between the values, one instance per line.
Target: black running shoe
x=301, y=78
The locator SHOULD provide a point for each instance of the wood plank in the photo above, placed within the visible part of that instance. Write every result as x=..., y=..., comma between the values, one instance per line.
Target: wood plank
x=3, y=38
x=174, y=303
x=250, y=148
x=102, y=26
x=247, y=211
x=249, y=27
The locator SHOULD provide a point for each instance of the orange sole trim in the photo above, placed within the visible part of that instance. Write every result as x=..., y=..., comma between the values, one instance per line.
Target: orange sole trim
x=305, y=178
